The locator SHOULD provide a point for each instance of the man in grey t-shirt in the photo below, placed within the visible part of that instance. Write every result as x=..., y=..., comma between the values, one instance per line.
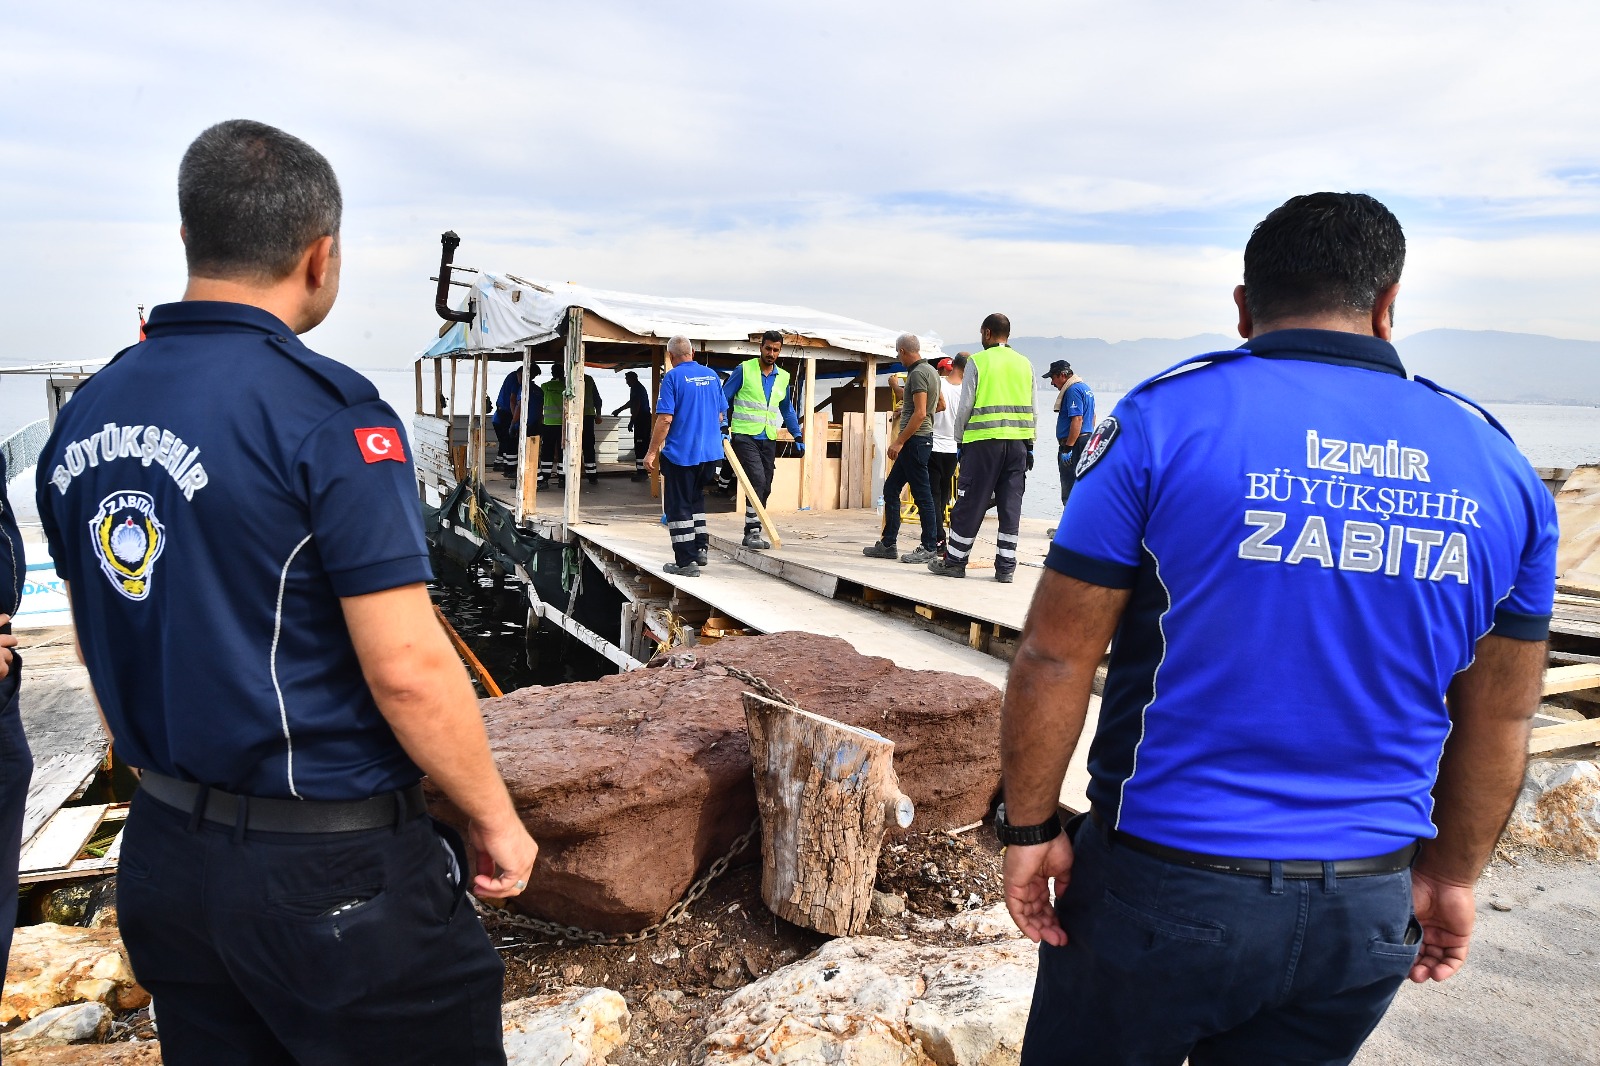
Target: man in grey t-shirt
x=909, y=453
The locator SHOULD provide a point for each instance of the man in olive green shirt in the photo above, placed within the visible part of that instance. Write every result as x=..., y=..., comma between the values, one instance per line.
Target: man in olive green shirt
x=909, y=453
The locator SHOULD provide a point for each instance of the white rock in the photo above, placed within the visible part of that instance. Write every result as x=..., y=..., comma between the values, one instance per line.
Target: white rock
x=574, y=1027
x=1559, y=807
x=887, y=904
x=869, y=1001
x=56, y=965
x=79, y=1023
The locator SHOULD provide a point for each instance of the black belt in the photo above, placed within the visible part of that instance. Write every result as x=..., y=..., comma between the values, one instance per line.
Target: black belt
x=1293, y=869
x=285, y=815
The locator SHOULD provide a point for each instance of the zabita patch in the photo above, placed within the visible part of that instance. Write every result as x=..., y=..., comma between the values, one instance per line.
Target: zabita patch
x=1100, y=443
x=128, y=538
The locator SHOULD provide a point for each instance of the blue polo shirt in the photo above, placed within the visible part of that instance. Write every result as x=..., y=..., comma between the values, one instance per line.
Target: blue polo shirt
x=1314, y=546
x=692, y=395
x=1077, y=403
x=211, y=495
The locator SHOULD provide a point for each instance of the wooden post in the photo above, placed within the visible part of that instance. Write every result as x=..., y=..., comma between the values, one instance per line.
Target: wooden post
x=480, y=455
x=419, y=386
x=529, y=483
x=438, y=390
x=754, y=500
x=458, y=465
x=658, y=370
x=870, y=439
x=827, y=793
x=572, y=415
x=810, y=429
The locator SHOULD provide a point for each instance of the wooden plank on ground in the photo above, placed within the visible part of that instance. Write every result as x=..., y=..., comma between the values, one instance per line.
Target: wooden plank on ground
x=1571, y=678
x=1572, y=734
x=55, y=845
x=89, y=865
x=54, y=779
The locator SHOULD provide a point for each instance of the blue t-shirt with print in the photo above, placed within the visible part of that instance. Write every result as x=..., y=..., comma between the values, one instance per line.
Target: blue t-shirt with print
x=692, y=395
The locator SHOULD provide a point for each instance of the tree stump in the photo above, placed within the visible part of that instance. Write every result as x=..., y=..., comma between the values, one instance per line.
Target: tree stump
x=826, y=792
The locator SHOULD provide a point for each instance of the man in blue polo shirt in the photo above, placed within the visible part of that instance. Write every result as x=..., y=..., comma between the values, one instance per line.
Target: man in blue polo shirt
x=247, y=583
x=1330, y=608
x=1074, y=420
x=685, y=446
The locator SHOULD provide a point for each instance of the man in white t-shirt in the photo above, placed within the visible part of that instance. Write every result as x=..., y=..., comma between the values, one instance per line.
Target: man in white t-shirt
x=942, y=463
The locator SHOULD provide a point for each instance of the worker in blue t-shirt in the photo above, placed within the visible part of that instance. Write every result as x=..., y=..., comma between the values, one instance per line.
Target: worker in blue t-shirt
x=248, y=588
x=508, y=417
x=1330, y=613
x=1074, y=420
x=685, y=446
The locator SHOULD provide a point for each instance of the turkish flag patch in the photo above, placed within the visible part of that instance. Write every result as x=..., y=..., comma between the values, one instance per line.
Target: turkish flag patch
x=379, y=443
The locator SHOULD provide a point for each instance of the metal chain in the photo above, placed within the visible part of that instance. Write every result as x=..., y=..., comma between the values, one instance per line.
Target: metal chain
x=675, y=914
x=679, y=910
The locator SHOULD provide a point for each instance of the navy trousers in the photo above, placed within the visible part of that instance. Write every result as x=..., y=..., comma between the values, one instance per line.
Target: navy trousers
x=683, y=503
x=758, y=456
x=1165, y=961
x=1067, y=460
x=997, y=468
x=911, y=468
x=279, y=949
x=942, y=476
x=16, y=770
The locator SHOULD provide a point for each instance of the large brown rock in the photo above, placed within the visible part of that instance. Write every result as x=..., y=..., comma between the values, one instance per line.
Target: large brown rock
x=632, y=784
x=53, y=965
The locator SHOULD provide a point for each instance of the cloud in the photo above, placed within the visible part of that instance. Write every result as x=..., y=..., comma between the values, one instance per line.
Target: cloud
x=1092, y=168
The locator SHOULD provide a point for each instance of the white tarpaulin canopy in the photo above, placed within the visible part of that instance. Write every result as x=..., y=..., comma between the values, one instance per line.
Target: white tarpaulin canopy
x=512, y=312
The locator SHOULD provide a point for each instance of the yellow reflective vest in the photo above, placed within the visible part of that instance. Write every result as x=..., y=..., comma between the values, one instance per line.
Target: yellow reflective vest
x=751, y=412
x=1002, y=408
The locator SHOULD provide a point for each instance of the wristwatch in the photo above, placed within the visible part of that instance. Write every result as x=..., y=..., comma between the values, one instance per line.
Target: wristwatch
x=1023, y=835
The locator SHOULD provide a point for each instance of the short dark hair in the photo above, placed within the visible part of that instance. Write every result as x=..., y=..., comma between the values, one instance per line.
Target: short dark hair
x=1322, y=252
x=771, y=335
x=960, y=361
x=252, y=198
x=997, y=324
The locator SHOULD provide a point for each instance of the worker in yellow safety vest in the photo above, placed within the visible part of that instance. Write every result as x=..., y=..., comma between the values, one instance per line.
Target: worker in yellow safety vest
x=994, y=423
x=550, y=435
x=758, y=403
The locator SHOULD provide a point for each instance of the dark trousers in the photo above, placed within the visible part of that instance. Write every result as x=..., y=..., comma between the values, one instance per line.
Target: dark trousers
x=997, y=468
x=236, y=937
x=641, y=441
x=758, y=456
x=941, y=475
x=910, y=468
x=591, y=466
x=506, y=435
x=683, y=498
x=550, y=450
x=1165, y=961
x=16, y=771
x=1067, y=460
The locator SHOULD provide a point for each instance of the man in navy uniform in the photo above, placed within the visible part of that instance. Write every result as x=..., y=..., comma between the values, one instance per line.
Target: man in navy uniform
x=1330, y=611
x=684, y=446
x=16, y=761
x=247, y=582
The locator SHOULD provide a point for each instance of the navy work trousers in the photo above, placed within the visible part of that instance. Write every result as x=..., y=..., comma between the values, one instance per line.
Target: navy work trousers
x=1165, y=961
x=16, y=770
x=683, y=502
x=288, y=949
x=911, y=468
x=758, y=456
x=997, y=468
x=1068, y=462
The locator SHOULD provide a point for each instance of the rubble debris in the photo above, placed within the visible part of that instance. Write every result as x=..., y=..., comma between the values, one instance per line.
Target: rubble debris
x=634, y=783
x=141, y=1053
x=1558, y=808
x=77, y=1023
x=54, y=965
x=572, y=1027
x=867, y=1000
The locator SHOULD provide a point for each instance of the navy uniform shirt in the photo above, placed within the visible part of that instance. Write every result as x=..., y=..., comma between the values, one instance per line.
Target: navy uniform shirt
x=1314, y=546
x=210, y=495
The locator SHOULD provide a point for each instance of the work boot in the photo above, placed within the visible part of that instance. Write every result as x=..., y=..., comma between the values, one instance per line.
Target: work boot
x=1005, y=577
x=756, y=541
x=686, y=570
x=945, y=568
x=542, y=483
x=639, y=475
x=702, y=557
x=919, y=554
x=880, y=550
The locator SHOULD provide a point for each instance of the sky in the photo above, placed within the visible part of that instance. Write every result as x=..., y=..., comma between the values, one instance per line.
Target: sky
x=1089, y=168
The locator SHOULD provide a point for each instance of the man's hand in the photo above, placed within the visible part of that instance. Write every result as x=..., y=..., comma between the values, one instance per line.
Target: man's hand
x=651, y=460
x=894, y=451
x=1446, y=913
x=502, y=857
x=7, y=642
x=1027, y=883
x=1030, y=458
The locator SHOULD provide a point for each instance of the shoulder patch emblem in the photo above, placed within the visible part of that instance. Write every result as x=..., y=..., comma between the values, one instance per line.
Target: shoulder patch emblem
x=1100, y=443
x=379, y=443
x=128, y=539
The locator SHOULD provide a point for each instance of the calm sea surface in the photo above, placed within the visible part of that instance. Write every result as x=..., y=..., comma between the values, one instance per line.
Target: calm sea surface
x=1548, y=434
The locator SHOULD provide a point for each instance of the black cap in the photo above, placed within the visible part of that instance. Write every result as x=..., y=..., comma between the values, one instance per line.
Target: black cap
x=1060, y=366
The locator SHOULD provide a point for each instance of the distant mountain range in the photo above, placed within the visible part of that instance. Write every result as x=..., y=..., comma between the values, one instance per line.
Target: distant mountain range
x=1484, y=364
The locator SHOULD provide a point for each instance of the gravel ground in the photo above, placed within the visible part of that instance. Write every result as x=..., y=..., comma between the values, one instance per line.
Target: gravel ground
x=1530, y=991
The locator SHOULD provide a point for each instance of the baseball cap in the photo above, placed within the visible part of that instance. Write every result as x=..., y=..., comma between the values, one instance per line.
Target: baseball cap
x=1060, y=366
x=943, y=364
